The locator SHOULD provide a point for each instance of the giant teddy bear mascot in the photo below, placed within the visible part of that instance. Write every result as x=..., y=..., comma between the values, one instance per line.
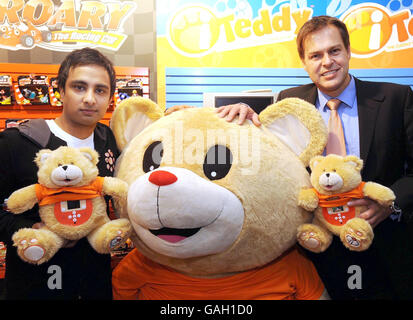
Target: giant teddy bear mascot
x=214, y=205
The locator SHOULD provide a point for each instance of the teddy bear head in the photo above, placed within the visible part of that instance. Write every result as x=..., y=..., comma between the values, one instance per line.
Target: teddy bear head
x=208, y=197
x=334, y=174
x=66, y=167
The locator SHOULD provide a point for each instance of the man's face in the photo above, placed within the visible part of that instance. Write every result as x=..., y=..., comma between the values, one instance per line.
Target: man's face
x=86, y=96
x=326, y=60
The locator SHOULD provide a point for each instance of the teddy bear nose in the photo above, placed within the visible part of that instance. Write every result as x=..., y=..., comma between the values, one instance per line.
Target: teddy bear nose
x=328, y=175
x=64, y=168
x=162, y=178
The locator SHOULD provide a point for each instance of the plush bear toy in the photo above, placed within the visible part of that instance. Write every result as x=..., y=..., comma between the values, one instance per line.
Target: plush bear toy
x=336, y=180
x=213, y=204
x=71, y=205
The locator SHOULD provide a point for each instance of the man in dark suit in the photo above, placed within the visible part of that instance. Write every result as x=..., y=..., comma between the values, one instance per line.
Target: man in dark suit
x=377, y=120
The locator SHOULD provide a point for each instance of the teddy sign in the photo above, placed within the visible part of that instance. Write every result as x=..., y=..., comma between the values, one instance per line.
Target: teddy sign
x=64, y=27
x=218, y=28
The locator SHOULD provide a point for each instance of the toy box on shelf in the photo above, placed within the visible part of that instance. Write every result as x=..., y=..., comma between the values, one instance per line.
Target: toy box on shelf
x=11, y=123
x=5, y=90
x=54, y=93
x=32, y=89
x=2, y=260
x=126, y=88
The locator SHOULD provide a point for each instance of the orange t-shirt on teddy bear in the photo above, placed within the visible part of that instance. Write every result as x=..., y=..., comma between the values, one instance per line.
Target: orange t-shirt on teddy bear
x=290, y=277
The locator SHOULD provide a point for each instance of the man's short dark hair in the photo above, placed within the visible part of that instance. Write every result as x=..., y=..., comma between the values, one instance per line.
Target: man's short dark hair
x=82, y=57
x=317, y=23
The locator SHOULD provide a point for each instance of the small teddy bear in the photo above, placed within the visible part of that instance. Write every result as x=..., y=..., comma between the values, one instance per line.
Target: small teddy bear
x=71, y=205
x=336, y=180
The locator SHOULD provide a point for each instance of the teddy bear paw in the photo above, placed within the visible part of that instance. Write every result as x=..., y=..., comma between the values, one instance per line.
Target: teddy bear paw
x=310, y=241
x=111, y=235
x=353, y=241
x=357, y=234
x=119, y=234
x=356, y=240
x=36, y=246
x=117, y=241
x=313, y=238
x=31, y=251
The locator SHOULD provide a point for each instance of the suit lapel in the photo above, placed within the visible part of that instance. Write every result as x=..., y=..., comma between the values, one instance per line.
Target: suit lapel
x=310, y=94
x=368, y=105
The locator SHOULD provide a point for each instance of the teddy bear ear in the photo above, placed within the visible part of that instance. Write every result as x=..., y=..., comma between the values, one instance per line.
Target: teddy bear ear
x=298, y=125
x=131, y=116
x=315, y=161
x=42, y=156
x=354, y=161
x=91, y=154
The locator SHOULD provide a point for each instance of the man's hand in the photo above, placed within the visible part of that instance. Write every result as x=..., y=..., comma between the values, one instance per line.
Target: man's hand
x=69, y=243
x=38, y=225
x=374, y=214
x=241, y=110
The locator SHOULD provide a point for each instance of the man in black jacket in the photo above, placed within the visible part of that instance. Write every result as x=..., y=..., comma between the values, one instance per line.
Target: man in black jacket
x=87, y=82
x=377, y=120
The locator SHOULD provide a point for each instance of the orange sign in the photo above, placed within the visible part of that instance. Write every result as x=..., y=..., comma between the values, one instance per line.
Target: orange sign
x=71, y=25
x=373, y=29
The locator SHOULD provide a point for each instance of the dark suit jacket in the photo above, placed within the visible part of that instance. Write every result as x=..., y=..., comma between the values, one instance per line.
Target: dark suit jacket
x=385, y=113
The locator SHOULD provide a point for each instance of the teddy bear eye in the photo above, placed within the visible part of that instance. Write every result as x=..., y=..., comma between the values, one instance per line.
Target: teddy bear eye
x=218, y=162
x=153, y=156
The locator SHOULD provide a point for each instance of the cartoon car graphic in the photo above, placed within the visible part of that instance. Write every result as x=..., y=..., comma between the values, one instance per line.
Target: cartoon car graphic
x=25, y=34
